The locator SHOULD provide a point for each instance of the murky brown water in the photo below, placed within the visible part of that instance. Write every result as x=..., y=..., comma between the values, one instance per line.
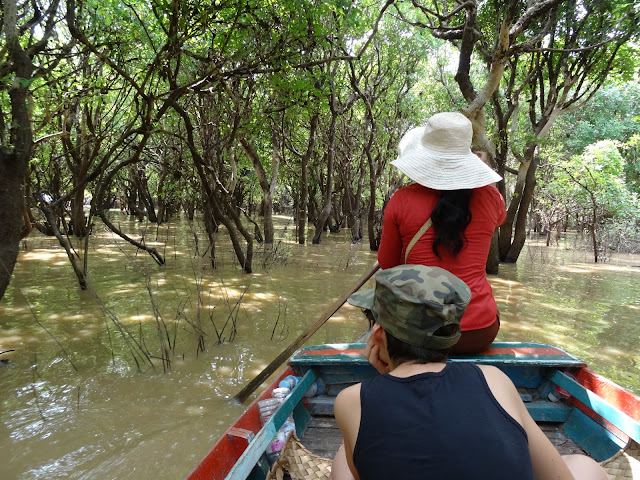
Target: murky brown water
x=74, y=404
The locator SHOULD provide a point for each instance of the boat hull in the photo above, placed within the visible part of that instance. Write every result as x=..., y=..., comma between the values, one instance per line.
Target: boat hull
x=597, y=415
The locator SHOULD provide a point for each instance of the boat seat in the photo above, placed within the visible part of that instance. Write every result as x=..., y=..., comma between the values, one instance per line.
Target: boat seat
x=500, y=354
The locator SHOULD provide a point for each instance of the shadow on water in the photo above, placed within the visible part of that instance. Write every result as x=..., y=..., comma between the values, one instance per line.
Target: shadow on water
x=107, y=418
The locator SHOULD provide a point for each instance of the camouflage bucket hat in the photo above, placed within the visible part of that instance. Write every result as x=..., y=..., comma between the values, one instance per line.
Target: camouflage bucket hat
x=411, y=302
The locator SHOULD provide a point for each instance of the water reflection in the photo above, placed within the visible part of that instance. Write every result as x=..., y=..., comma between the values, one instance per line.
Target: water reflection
x=587, y=309
x=118, y=417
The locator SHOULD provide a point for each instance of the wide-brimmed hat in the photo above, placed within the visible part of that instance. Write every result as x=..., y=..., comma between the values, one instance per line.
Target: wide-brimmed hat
x=412, y=302
x=439, y=155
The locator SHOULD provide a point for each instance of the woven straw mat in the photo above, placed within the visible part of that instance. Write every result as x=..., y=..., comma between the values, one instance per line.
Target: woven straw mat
x=624, y=465
x=299, y=463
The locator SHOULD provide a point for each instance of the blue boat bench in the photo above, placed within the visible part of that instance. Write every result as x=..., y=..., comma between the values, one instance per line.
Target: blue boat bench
x=536, y=369
x=527, y=365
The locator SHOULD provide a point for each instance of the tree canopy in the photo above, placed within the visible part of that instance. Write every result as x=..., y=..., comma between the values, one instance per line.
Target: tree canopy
x=238, y=110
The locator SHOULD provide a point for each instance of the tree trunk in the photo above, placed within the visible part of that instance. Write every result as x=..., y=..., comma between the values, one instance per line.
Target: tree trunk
x=493, y=262
x=78, y=219
x=374, y=223
x=12, y=171
x=353, y=207
x=80, y=272
x=268, y=187
x=326, y=209
x=303, y=203
x=163, y=213
x=592, y=227
x=506, y=229
x=15, y=159
x=141, y=183
x=210, y=226
x=304, y=181
x=520, y=232
x=374, y=229
x=592, y=232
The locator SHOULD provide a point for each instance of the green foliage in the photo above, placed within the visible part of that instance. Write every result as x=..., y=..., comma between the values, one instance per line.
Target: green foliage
x=613, y=113
x=620, y=234
x=589, y=187
x=601, y=173
x=159, y=87
x=631, y=153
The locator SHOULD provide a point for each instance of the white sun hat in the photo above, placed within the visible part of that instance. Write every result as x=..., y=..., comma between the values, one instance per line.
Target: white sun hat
x=439, y=155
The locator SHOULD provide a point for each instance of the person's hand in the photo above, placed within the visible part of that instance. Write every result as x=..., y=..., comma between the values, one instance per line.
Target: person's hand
x=483, y=156
x=372, y=353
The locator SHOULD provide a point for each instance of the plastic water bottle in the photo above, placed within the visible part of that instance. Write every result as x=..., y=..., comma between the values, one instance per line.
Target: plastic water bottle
x=274, y=448
x=313, y=390
x=288, y=425
x=289, y=382
x=280, y=393
x=267, y=407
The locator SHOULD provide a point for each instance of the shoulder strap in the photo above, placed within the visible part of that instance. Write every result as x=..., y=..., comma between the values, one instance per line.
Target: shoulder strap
x=416, y=237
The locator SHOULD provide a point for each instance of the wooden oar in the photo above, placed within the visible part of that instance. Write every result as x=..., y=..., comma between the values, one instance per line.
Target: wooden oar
x=297, y=343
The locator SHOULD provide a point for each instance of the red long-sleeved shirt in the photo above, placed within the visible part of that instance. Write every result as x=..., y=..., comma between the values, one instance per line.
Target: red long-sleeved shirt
x=406, y=212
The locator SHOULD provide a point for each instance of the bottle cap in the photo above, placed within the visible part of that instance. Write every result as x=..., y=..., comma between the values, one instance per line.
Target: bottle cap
x=289, y=381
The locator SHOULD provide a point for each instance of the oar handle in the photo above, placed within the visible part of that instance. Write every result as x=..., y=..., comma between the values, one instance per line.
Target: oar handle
x=298, y=342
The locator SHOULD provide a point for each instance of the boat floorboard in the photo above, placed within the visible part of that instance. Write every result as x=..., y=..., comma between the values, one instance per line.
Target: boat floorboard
x=323, y=438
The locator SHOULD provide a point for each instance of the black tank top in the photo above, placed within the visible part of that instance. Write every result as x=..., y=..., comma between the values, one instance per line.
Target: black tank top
x=443, y=425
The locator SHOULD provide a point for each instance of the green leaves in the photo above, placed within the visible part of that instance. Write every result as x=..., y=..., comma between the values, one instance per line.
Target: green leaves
x=24, y=82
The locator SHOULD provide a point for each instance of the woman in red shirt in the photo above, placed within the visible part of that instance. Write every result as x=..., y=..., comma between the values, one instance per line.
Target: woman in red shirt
x=454, y=189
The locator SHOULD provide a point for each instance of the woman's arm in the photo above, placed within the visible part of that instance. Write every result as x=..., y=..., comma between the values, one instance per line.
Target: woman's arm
x=390, y=250
x=347, y=411
x=547, y=462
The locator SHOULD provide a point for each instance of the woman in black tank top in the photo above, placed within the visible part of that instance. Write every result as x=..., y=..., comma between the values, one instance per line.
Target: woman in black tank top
x=424, y=418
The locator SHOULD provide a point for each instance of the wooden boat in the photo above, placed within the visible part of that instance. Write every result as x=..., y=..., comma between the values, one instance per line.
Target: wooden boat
x=579, y=410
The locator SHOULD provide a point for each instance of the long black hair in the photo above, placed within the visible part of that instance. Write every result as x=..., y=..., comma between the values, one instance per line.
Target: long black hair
x=450, y=218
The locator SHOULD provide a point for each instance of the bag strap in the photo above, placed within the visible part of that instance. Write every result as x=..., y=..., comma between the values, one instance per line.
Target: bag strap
x=416, y=237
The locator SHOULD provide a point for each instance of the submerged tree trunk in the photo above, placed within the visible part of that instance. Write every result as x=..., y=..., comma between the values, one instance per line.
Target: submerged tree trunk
x=14, y=159
x=326, y=209
x=71, y=255
x=268, y=186
x=493, y=263
x=374, y=227
x=303, y=202
x=304, y=180
x=12, y=172
x=374, y=220
x=142, y=184
x=211, y=228
x=520, y=231
x=594, y=241
x=353, y=208
x=507, y=228
x=163, y=208
x=78, y=218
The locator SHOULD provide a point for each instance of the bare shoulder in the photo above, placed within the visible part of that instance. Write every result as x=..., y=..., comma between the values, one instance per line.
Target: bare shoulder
x=496, y=376
x=504, y=391
x=347, y=411
x=348, y=396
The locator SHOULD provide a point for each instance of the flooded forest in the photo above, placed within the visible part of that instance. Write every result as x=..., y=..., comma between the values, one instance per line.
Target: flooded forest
x=186, y=186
